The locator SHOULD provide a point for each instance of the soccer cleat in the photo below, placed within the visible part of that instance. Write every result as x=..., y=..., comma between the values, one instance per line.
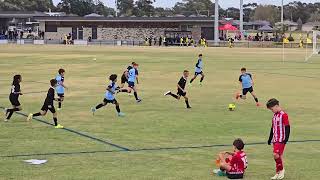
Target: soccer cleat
x=281, y=174
x=59, y=126
x=139, y=100
x=5, y=120
x=190, y=84
x=130, y=94
x=59, y=109
x=121, y=114
x=238, y=96
x=167, y=93
x=93, y=110
x=216, y=171
x=200, y=83
x=189, y=107
x=275, y=176
x=30, y=117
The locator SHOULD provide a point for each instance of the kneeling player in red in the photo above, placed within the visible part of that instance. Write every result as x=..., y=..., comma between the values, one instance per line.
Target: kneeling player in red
x=279, y=135
x=233, y=164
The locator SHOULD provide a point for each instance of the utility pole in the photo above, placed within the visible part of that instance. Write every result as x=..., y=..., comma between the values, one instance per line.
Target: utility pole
x=216, y=23
x=241, y=16
x=282, y=14
x=116, y=7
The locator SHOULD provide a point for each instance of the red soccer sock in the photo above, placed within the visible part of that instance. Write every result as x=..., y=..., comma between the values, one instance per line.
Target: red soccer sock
x=279, y=164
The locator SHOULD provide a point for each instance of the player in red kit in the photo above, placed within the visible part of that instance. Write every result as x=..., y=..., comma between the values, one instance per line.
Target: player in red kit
x=233, y=163
x=279, y=135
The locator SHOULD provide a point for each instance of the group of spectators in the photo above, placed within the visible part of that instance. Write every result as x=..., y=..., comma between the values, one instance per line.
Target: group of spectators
x=174, y=41
x=14, y=34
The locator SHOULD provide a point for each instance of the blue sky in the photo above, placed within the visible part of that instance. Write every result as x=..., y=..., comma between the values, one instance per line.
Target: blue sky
x=223, y=3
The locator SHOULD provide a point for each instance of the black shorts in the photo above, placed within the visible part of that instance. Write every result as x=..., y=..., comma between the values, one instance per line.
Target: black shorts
x=246, y=90
x=130, y=84
x=234, y=176
x=46, y=107
x=197, y=73
x=61, y=95
x=123, y=79
x=14, y=100
x=181, y=93
x=110, y=101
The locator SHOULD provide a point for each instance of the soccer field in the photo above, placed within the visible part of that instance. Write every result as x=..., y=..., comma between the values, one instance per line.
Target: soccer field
x=159, y=138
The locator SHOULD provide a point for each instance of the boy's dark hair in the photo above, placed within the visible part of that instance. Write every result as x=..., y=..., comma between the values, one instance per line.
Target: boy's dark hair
x=133, y=63
x=185, y=71
x=243, y=69
x=53, y=82
x=200, y=55
x=113, y=77
x=61, y=71
x=272, y=102
x=16, y=79
x=239, y=144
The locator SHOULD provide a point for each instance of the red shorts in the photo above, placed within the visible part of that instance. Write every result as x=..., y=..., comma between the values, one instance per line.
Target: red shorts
x=278, y=148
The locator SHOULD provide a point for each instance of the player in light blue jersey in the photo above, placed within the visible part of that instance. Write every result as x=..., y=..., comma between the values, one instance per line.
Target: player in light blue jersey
x=198, y=70
x=247, y=83
x=110, y=96
x=60, y=86
x=132, y=77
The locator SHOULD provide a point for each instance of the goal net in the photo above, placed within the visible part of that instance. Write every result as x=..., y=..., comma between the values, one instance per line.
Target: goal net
x=315, y=44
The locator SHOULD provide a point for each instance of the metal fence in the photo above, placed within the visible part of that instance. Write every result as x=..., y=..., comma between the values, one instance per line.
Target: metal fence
x=242, y=44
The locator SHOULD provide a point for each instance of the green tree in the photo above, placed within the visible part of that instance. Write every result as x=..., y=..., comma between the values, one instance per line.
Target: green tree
x=268, y=13
x=79, y=7
x=196, y=7
x=144, y=8
x=125, y=7
x=26, y=5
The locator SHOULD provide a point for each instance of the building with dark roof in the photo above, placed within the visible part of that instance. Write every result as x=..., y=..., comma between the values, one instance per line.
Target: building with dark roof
x=125, y=28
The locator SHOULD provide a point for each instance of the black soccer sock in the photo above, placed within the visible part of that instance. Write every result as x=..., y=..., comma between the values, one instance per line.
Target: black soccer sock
x=99, y=106
x=201, y=79
x=173, y=95
x=191, y=80
x=55, y=120
x=136, y=95
x=187, y=103
x=256, y=99
x=59, y=104
x=10, y=113
x=36, y=114
x=118, y=109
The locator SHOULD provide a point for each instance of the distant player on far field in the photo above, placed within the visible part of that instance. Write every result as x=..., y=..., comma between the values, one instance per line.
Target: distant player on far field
x=279, y=135
x=109, y=96
x=181, y=89
x=198, y=70
x=14, y=97
x=247, y=83
x=232, y=164
x=48, y=105
x=60, y=87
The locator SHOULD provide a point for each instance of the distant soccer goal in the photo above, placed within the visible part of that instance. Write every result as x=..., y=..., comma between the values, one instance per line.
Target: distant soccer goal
x=315, y=45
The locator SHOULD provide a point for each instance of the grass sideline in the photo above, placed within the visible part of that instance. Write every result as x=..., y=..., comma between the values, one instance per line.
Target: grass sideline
x=159, y=122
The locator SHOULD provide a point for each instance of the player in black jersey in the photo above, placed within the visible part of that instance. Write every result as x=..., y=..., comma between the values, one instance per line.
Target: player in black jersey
x=181, y=89
x=48, y=105
x=14, y=97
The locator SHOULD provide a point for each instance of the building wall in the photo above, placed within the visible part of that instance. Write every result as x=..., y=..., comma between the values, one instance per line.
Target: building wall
x=131, y=33
x=59, y=35
x=87, y=32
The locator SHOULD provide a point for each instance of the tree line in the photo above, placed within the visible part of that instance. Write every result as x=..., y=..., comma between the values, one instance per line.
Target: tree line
x=294, y=11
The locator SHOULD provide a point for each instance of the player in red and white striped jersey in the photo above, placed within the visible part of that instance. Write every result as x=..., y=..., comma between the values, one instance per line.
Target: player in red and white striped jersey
x=234, y=163
x=279, y=135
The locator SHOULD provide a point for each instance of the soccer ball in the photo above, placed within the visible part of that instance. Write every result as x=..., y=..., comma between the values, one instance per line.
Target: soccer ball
x=232, y=107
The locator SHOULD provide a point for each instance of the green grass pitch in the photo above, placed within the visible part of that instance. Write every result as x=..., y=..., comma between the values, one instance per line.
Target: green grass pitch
x=160, y=124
